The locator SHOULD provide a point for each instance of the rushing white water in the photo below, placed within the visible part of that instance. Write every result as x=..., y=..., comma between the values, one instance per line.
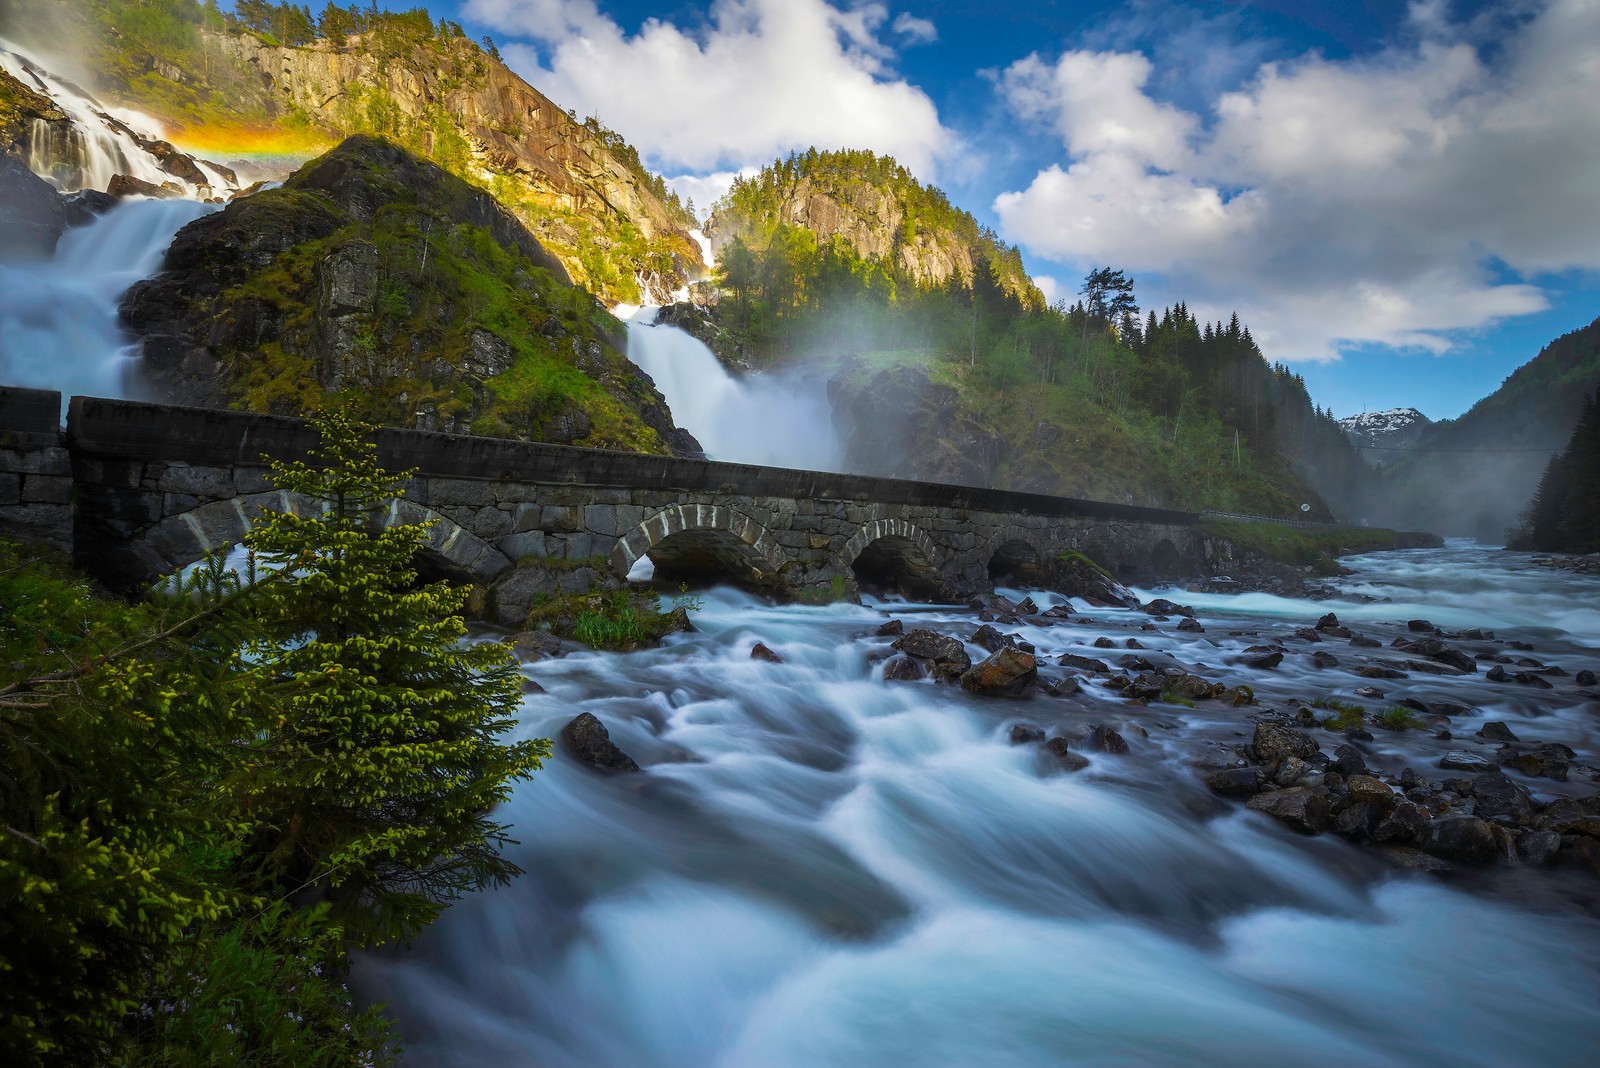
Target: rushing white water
x=103, y=141
x=821, y=868
x=781, y=420
x=58, y=318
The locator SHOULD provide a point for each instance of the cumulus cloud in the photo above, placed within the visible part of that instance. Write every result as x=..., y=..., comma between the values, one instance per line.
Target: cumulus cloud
x=762, y=78
x=706, y=189
x=1382, y=200
x=914, y=29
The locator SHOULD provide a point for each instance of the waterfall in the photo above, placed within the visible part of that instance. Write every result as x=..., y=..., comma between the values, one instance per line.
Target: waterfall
x=779, y=419
x=102, y=142
x=58, y=319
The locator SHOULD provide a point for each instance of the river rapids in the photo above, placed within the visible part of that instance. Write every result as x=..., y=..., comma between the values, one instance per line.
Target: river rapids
x=819, y=867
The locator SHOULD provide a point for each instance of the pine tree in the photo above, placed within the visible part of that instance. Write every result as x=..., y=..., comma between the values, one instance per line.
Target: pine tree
x=380, y=773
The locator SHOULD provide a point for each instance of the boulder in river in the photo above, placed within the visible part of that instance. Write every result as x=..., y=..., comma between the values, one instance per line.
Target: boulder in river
x=1060, y=749
x=1083, y=663
x=760, y=651
x=1305, y=809
x=986, y=637
x=1460, y=760
x=893, y=628
x=1463, y=839
x=1495, y=731
x=905, y=669
x=947, y=658
x=1006, y=673
x=1235, y=782
x=32, y=214
x=591, y=743
x=1274, y=741
x=1548, y=760
x=1106, y=740
x=1024, y=733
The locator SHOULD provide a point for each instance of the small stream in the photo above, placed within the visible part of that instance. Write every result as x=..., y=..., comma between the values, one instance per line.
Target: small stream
x=818, y=867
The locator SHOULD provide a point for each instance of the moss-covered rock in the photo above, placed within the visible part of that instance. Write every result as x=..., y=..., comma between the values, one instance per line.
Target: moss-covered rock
x=382, y=277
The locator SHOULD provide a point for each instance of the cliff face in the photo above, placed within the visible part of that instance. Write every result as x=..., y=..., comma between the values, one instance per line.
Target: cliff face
x=417, y=297
x=571, y=184
x=879, y=210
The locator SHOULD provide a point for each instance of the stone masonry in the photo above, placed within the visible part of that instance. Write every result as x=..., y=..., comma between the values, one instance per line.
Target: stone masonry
x=137, y=491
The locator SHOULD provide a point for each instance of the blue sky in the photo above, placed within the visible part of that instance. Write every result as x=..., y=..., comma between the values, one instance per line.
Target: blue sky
x=1401, y=199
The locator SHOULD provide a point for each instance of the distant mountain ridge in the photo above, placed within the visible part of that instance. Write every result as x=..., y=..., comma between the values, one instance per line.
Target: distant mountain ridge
x=1382, y=436
x=1473, y=476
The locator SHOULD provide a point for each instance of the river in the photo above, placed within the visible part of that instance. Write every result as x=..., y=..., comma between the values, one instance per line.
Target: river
x=818, y=867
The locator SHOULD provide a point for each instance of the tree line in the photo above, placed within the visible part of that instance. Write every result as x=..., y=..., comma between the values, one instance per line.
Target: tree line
x=1564, y=515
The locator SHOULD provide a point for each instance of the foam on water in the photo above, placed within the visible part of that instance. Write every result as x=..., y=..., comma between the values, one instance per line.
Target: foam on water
x=819, y=868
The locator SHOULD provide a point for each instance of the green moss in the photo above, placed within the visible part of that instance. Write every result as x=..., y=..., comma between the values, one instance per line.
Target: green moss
x=1301, y=546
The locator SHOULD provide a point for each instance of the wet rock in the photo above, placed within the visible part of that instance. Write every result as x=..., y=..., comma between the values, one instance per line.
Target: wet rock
x=1292, y=771
x=1131, y=662
x=905, y=669
x=1429, y=667
x=1550, y=760
x=1104, y=643
x=1006, y=673
x=1192, y=687
x=531, y=687
x=929, y=645
x=1359, y=821
x=1238, y=696
x=1538, y=847
x=1371, y=693
x=1025, y=733
x=1133, y=643
x=1191, y=626
x=1235, y=782
x=1274, y=741
x=1460, y=760
x=1347, y=760
x=1306, y=634
x=1420, y=625
x=1462, y=839
x=1495, y=731
x=1082, y=663
x=1027, y=607
x=986, y=637
x=1361, y=641
x=1528, y=678
x=1058, y=748
x=1060, y=687
x=1366, y=789
x=760, y=651
x=1405, y=824
x=1376, y=672
x=536, y=645
x=1163, y=607
x=1495, y=674
x=590, y=742
x=1106, y=740
x=893, y=628
x=1494, y=794
x=32, y=215
x=1261, y=661
x=1585, y=678
x=1302, y=808
x=1324, y=660
x=1146, y=687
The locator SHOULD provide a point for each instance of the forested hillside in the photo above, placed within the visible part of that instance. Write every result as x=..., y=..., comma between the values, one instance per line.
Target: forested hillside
x=1471, y=476
x=974, y=379
x=1564, y=515
x=271, y=82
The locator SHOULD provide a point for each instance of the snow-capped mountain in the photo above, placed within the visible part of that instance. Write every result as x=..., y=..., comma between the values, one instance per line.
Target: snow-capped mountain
x=1383, y=436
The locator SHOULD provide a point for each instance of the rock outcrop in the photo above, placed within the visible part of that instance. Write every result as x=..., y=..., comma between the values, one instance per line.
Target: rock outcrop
x=379, y=272
x=576, y=186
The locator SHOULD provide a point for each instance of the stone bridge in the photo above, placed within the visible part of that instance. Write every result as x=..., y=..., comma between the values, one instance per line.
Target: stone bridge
x=136, y=491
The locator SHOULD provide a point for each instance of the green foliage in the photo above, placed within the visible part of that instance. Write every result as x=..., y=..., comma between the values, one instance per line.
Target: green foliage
x=1564, y=515
x=1397, y=719
x=1346, y=714
x=621, y=620
x=1302, y=546
x=387, y=713
x=181, y=779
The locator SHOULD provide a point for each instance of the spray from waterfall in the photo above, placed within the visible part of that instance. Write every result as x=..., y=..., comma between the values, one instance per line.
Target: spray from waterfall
x=58, y=319
x=101, y=142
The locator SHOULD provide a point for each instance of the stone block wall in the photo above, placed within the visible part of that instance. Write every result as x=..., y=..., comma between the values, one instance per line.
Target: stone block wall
x=36, y=483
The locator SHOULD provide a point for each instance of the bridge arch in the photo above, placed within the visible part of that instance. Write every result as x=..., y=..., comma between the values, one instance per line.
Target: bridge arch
x=449, y=551
x=702, y=541
x=1015, y=553
x=894, y=554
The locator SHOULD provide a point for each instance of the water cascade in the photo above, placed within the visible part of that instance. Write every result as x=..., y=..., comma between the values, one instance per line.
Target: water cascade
x=58, y=319
x=101, y=142
x=819, y=867
x=782, y=419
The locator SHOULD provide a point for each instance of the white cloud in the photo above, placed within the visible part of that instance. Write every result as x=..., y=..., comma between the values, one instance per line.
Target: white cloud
x=1052, y=289
x=1334, y=201
x=915, y=30
x=764, y=77
x=706, y=189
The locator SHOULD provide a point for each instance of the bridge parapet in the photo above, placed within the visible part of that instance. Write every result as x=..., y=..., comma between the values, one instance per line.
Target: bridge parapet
x=142, y=489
